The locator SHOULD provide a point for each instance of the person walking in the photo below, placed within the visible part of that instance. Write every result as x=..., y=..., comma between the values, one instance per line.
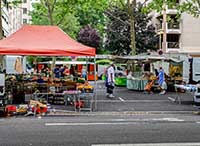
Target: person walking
x=110, y=81
x=161, y=81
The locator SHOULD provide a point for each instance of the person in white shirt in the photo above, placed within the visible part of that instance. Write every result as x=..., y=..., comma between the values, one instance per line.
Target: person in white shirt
x=110, y=80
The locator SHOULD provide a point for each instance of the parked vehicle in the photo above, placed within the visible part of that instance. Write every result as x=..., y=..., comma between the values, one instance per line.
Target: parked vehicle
x=103, y=64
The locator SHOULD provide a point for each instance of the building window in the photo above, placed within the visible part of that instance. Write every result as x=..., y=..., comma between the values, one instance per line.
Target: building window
x=24, y=21
x=24, y=10
x=173, y=41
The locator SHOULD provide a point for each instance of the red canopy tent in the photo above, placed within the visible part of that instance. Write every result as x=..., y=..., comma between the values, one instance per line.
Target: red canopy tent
x=36, y=40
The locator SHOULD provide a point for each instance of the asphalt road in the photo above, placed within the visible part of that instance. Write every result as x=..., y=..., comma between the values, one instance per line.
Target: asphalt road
x=129, y=100
x=99, y=130
x=137, y=101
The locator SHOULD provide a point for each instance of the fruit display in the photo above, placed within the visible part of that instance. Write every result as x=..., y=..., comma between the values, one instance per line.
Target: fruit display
x=22, y=109
x=86, y=87
x=175, y=71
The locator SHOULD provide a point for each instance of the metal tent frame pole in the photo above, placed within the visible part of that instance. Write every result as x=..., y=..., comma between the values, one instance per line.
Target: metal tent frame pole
x=95, y=85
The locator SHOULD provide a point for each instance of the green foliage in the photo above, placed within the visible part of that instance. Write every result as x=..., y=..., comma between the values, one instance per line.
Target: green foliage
x=14, y=3
x=90, y=12
x=146, y=38
x=89, y=36
x=71, y=15
x=191, y=7
x=61, y=15
x=158, y=5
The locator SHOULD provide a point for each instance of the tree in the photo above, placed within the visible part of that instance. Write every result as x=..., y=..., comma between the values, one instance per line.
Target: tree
x=118, y=31
x=89, y=36
x=74, y=14
x=146, y=37
x=71, y=16
x=129, y=6
x=90, y=12
x=56, y=12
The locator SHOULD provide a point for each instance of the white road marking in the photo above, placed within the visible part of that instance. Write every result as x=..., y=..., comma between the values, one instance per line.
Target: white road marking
x=116, y=122
x=172, y=99
x=137, y=101
x=87, y=124
x=151, y=144
x=121, y=99
x=169, y=119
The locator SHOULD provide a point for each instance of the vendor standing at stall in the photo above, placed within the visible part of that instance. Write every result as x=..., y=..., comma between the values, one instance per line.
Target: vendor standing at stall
x=84, y=73
x=110, y=76
x=57, y=72
x=64, y=71
x=161, y=81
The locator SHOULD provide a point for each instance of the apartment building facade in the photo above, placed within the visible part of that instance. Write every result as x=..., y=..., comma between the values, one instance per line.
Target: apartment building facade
x=182, y=35
x=19, y=15
x=15, y=18
x=5, y=17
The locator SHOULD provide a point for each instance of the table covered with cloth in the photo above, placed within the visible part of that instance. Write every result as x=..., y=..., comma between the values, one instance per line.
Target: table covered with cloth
x=188, y=87
x=193, y=89
x=136, y=84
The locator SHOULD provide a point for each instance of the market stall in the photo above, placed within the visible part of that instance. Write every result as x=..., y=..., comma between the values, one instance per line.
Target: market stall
x=32, y=40
x=78, y=67
x=146, y=65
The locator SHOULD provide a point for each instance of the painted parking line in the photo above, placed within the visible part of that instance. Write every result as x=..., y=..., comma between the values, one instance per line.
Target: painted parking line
x=121, y=99
x=151, y=144
x=172, y=99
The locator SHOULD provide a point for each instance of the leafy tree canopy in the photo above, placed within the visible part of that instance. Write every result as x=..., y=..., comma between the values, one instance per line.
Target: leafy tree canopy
x=62, y=16
x=191, y=7
x=118, y=31
x=89, y=36
x=90, y=12
x=71, y=15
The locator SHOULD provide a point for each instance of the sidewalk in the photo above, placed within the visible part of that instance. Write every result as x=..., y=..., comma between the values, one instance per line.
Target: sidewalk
x=73, y=113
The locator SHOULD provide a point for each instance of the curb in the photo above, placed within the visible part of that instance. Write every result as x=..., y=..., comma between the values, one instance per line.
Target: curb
x=70, y=113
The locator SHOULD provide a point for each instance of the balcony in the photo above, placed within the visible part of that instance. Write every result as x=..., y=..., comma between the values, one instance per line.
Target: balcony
x=171, y=11
x=173, y=28
x=173, y=47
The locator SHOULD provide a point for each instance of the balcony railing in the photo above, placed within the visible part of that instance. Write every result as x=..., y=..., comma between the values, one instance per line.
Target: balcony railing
x=173, y=26
x=174, y=6
x=173, y=45
x=169, y=26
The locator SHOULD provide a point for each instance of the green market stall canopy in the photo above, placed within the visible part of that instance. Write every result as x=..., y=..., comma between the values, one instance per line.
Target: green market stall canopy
x=34, y=40
x=141, y=58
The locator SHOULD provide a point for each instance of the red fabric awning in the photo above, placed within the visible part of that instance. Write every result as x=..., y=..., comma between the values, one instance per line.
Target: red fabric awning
x=36, y=40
